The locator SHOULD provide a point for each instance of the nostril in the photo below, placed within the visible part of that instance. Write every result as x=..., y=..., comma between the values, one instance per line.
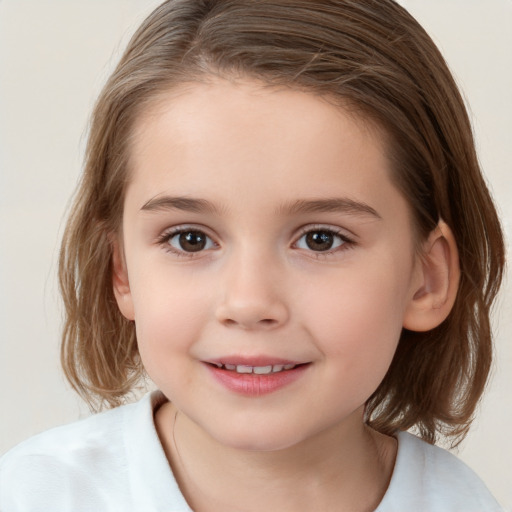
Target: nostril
x=265, y=322
x=251, y=314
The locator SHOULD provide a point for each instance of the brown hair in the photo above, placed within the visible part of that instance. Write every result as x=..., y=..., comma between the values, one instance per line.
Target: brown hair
x=369, y=54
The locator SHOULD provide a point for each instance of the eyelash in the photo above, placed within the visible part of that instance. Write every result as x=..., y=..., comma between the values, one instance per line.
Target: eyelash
x=346, y=242
x=165, y=239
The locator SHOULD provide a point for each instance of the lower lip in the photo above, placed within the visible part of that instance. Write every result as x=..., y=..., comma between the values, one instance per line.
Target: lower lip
x=250, y=384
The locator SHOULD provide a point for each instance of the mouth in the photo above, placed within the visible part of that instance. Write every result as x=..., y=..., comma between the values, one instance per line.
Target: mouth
x=262, y=377
x=258, y=370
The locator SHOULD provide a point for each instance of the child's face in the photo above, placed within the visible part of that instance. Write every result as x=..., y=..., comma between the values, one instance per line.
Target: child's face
x=261, y=228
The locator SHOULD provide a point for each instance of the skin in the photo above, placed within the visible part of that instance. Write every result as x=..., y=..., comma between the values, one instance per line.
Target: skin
x=258, y=289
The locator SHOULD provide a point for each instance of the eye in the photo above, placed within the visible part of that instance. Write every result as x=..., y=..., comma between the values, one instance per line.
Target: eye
x=321, y=240
x=188, y=241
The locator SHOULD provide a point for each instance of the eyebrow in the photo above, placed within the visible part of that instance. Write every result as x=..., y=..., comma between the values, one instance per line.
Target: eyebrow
x=187, y=204
x=328, y=205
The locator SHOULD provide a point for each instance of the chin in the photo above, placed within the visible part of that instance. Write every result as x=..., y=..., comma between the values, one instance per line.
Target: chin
x=254, y=438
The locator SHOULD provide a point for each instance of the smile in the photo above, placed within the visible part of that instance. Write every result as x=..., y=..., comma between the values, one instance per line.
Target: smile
x=258, y=370
x=257, y=379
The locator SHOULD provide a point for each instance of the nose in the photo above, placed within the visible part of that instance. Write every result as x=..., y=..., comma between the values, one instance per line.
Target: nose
x=253, y=294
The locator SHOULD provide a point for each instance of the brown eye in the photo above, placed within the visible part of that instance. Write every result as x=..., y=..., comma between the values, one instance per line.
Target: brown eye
x=190, y=241
x=321, y=240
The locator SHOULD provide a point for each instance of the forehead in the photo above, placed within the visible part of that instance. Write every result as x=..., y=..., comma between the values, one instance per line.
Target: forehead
x=233, y=139
x=215, y=98
x=243, y=114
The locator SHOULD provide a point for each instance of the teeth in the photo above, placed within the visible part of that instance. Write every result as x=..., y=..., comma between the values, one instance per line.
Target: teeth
x=258, y=370
x=262, y=370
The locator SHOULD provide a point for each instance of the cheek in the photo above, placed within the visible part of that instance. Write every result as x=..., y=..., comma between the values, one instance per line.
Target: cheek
x=357, y=323
x=165, y=335
x=168, y=317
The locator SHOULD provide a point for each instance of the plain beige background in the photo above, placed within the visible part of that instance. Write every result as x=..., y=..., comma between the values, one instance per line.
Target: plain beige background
x=54, y=57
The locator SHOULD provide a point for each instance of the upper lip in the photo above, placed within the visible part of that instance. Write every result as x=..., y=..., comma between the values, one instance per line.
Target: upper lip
x=256, y=361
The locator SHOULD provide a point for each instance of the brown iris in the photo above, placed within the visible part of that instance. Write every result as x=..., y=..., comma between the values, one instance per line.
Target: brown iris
x=192, y=241
x=320, y=240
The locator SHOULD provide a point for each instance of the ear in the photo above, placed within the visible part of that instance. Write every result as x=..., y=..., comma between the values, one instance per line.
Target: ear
x=120, y=280
x=435, y=289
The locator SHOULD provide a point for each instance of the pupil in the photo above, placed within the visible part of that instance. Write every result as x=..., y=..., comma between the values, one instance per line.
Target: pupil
x=192, y=241
x=319, y=240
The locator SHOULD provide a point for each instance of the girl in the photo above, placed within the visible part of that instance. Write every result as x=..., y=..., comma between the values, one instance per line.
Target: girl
x=282, y=222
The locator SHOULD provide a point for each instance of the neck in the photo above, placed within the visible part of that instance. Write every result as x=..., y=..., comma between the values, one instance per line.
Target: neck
x=308, y=476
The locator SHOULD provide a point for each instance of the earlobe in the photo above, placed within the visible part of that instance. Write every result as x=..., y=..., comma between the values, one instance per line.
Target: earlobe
x=435, y=290
x=120, y=281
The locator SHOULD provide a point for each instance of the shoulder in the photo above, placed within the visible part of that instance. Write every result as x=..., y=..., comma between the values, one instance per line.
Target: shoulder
x=73, y=460
x=428, y=478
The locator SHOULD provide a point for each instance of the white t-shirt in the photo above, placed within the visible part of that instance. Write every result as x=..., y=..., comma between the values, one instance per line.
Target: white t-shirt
x=114, y=462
